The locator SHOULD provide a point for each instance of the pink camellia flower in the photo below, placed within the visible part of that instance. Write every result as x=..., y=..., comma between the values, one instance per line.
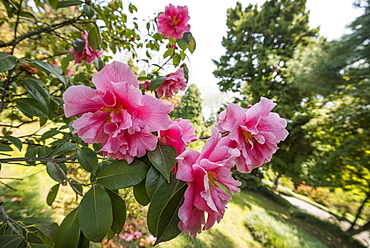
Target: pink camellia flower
x=204, y=172
x=179, y=135
x=116, y=114
x=174, y=82
x=87, y=53
x=174, y=21
x=255, y=132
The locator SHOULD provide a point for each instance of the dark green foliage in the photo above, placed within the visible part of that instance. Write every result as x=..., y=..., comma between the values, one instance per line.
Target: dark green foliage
x=191, y=108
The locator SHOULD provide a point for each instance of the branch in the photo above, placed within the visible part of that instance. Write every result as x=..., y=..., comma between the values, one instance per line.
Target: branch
x=69, y=181
x=7, y=219
x=53, y=27
x=32, y=159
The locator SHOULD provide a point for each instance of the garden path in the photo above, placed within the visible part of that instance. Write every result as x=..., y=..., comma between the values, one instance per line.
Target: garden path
x=363, y=237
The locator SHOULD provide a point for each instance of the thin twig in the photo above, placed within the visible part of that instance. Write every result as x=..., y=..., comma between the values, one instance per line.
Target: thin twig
x=69, y=181
x=7, y=219
x=33, y=159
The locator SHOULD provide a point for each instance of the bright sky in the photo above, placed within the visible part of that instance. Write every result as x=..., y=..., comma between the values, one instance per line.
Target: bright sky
x=208, y=26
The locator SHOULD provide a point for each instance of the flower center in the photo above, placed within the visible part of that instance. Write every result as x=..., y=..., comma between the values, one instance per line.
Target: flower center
x=248, y=138
x=212, y=177
x=116, y=110
x=174, y=21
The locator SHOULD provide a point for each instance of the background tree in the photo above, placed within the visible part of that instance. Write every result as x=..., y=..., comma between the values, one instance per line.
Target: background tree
x=260, y=43
x=191, y=108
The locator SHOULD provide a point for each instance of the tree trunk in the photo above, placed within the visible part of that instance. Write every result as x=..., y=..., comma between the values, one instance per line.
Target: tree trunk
x=351, y=229
x=359, y=230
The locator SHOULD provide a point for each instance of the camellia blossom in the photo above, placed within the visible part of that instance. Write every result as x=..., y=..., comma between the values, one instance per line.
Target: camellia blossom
x=179, y=135
x=87, y=53
x=116, y=114
x=255, y=132
x=204, y=172
x=173, y=83
x=174, y=21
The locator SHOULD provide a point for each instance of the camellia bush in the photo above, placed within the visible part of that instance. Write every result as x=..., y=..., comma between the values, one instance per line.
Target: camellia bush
x=56, y=71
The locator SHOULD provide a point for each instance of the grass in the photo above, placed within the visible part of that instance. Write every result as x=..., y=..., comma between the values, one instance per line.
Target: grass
x=259, y=219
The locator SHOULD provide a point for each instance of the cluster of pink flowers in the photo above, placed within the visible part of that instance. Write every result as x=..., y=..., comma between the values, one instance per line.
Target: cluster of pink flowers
x=117, y=115
x=245, y=138
x=87, y=53
x=174, y=21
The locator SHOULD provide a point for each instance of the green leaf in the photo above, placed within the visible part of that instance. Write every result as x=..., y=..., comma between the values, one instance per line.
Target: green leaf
x=48, y=134
x=99, y=64
x=5, y=148
x=69, y=231
x=183, y=44
x=87, y=159
x=101, y=15
x=192, y=45
x=169, y=52
x=32, y=107
x=47, y=67
x=64, y=4
x=94, y=38
x=95, y=214
x=52, y=194
x=162, y=213
x=10, y=241
x=157, y=82
x=119, y=212
x=33, y=245
x=140, y=194
x=35, y=89
x=176, y=60
x=78, y=45
x=152, y=181
x=7, y=62
x=119, y=174
x=163, y=159
x=65, y=148
x=33, y=238
x=83, y=242
x=53, y=3
x=89, y=11
x=48, y=229
x=55, y=173
x=187, y=37
x=31, y=153
x=15, y=141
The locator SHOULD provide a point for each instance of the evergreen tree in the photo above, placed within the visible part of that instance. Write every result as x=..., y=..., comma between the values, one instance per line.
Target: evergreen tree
x=191, y=108
x=260, y=44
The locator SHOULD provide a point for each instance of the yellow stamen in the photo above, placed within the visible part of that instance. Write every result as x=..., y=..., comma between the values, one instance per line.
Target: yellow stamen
x=248, y=137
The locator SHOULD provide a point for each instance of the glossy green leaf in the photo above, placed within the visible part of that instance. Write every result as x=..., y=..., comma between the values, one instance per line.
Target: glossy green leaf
x=140, y=194
x=83, y=241
x=31, y=153
x=169, y=52
x=95, y=214
x=176, y=60
x=94, y=38
x=69, y=231
x=163, y=159
x=10, y=241
x=119, y=212
x=31, y=107
x=15, y=141
x=89, y=11
x=153, y=180
x=7, y=62
x=157, y=82
x=48, y=229
x=52, y=194
x=163, y=210
x=53, y=3
x=99, y=64
x=5, y=148
x=33, y=238
x=65, y=148
x=47, y=67
x=33, y=245
x=119, y=174
x=35, y=89
x=182, y=43
x=192, y=45
x=64, y=4
x=78, y=45
x=48, y=134
x=43, y=151
x=87, y=159
x=55, y=173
